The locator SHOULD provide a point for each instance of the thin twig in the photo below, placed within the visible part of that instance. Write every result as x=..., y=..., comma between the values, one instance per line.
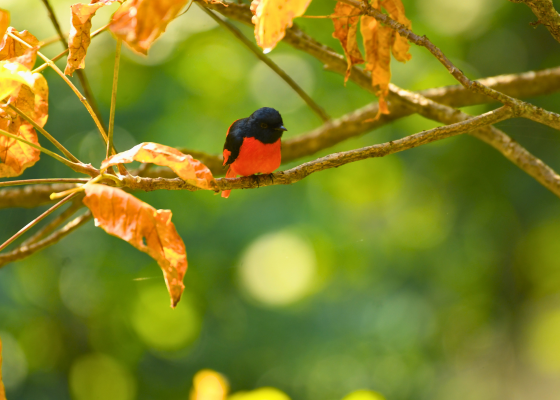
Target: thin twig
x=83, y=168
x=51, y=226
x=81, y=73
x=60, y=55
x=56, y=143
x=42, y=181
x=24, y=251
x=281, y=73
x=36, y=221
x=114, y=96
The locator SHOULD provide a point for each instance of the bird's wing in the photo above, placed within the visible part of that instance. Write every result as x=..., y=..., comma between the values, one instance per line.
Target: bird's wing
x=234, y=140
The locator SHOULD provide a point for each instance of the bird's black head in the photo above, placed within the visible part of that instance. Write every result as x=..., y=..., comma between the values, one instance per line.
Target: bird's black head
x=266, y=125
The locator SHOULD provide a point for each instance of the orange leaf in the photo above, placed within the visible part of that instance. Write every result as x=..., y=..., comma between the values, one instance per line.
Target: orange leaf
x=2, y=391
x=12, y=50
x=140, y=22
x=400, y=46
x=187, y=168
x=149, y=230
x=32, y=99
x=4, y=21
x=272, y=17
x=381, y=72
x=345, y=30
x=79, y=38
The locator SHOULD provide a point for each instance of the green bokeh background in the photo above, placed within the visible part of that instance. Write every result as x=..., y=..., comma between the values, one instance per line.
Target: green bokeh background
x=434, y=273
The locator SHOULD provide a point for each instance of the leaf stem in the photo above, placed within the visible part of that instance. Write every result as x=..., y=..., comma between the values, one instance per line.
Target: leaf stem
x=42, y=181
x=35, y=221
x=45, y=134
x=114, y=96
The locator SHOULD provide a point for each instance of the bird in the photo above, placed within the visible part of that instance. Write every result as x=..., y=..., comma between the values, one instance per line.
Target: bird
x=253, y=144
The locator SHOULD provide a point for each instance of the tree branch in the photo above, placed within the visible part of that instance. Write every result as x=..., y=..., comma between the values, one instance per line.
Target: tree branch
x=24, y=251
x=261, y=56
x=546, y=14
x=331, y=161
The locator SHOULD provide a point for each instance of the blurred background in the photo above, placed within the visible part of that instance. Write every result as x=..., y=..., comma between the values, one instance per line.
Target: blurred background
x=429, y=274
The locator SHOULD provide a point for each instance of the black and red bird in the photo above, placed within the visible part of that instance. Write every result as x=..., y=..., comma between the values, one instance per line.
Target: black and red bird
x=253, y=144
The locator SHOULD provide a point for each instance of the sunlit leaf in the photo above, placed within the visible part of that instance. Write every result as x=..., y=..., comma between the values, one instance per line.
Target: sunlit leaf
x=140, y=22
x=149, y=230
x=273, y=17
x=12, y=50
x=345, y=30
x=4, y=21
x=187, y=168
x=12, y=75
x=209, y=385
x=30, y=96
x=2, y=391
x=79, y=38
x=264, y=393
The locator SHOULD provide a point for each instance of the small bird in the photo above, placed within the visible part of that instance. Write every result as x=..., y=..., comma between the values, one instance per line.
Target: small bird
x=253, y=144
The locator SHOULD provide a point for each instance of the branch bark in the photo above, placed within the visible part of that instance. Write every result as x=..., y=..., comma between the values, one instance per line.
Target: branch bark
x=546, y=14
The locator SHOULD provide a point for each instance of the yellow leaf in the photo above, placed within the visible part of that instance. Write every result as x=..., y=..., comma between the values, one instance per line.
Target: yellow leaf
x=2, y=391
x=209, y=385
x=272, y=17
x=187, y=168
x=12, y=75
x=149, y=230
x=140, y=22
x=345, y=30
x=79, y=38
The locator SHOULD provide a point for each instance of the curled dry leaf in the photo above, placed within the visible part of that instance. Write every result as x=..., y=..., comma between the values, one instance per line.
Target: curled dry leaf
x=2, y=391
x=12, y=50
x=80, y=28
x=140, y=22
x=184, y=165
x=31, y=97
x=149, y=230
x=272, y=17
x=346, y=18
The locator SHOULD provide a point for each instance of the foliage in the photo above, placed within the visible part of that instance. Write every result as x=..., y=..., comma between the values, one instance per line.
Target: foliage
x=424, y=233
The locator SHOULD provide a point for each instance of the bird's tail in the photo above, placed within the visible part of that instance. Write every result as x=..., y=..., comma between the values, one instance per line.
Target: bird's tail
x=229, y=174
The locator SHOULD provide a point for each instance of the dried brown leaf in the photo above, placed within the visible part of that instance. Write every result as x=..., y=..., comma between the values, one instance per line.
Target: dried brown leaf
x=400, y=45
x=272, y=17
x=381, y=72
x=12, y=50
x=184, y=165
x=345, y=30
x=140, y=22
x=79, y=38
x=149, y=230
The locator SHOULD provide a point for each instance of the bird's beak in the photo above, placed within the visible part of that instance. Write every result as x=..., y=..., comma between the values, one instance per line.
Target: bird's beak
x=282, y=128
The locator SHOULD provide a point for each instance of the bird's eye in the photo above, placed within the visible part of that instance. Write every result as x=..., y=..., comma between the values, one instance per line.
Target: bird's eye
x=264, y=125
